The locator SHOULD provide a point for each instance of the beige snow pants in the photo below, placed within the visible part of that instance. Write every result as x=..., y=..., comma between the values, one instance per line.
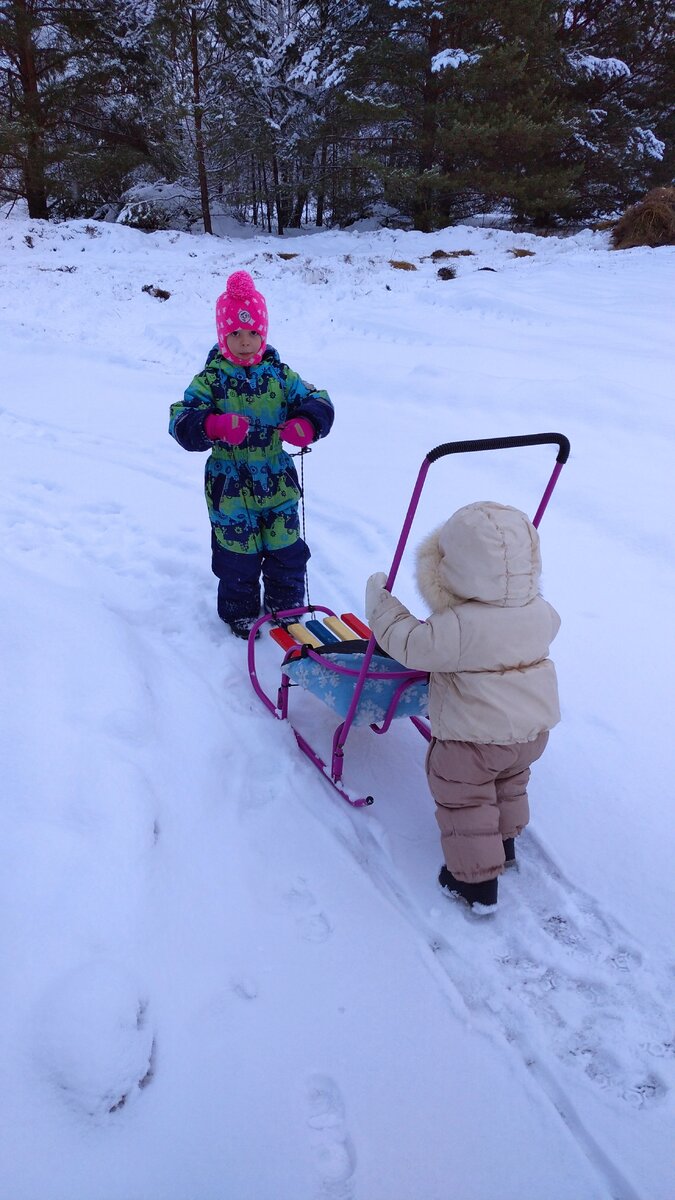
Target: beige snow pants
x=481, y=799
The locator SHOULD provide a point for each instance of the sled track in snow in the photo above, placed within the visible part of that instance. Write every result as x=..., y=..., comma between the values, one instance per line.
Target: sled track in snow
x=549, y=974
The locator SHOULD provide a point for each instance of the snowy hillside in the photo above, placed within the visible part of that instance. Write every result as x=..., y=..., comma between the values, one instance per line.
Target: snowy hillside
x=220, y=982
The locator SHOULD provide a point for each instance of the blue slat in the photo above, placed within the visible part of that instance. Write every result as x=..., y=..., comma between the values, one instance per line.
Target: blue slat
x=319, y=630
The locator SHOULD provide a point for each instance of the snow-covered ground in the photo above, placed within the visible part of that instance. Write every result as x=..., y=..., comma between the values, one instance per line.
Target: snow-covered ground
x=219, y=981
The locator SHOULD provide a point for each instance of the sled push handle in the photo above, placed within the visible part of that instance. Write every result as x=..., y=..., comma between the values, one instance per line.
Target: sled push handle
x=504, y=443
x=507, y=443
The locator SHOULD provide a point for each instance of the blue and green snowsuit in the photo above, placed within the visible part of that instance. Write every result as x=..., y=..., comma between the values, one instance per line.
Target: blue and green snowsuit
x=252, y=490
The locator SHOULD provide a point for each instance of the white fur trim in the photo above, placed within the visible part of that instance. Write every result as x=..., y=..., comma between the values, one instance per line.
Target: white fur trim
x=427, y=574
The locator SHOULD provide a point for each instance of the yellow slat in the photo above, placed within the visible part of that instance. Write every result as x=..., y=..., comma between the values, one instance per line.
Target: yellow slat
x=343, y=631
x=301, y=634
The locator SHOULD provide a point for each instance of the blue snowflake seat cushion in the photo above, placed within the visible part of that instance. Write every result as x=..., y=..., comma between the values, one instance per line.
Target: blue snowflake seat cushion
x=384, y=678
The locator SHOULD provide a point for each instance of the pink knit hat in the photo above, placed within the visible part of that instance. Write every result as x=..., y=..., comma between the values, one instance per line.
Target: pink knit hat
x=241, y=307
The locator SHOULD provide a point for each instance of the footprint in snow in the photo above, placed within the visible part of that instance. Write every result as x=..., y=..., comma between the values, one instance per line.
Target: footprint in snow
x=92, y=1040
x=311, y=922
x=245, y=987
x=334, y=1151
x=576, y=975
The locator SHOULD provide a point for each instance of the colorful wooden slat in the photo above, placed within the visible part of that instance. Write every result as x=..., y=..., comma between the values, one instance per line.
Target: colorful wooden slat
x=319, y=630
x=344, y=633
x=301, y=634
x=358, y=626
x=282, y=638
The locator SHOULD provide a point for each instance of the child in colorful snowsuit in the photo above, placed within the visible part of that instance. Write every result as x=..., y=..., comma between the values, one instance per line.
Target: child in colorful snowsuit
x=493, y=694
x=241, y=407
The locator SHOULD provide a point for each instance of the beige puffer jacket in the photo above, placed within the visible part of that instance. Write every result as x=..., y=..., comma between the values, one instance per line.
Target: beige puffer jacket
x=486, y=643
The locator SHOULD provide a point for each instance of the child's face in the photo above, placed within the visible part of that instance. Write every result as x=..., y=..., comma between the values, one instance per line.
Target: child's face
x=243, y=343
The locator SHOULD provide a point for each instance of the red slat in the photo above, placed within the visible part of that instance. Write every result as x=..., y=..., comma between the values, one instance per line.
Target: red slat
x=358, y=626
x=283, y=639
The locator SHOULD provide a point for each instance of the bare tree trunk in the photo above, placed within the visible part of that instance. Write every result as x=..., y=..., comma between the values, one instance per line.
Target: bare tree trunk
x=268, y=199
x=295, y=216
x=277, y=194
x=334, y=181
x=198, y=119
x=254, y=192
x=321, y=190
x=429, y=131
x=34, y=161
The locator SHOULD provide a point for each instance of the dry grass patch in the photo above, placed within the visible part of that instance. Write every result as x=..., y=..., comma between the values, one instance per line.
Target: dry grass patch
x=650, y=222
x=399, y=264
x=437, y=255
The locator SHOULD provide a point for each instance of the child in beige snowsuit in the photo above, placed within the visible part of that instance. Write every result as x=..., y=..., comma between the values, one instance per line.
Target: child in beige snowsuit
x=493, y=693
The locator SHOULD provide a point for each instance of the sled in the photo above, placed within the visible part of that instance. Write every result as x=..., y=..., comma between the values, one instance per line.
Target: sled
x=337, y=659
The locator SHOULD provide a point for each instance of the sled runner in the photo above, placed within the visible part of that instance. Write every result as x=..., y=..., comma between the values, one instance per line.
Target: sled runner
x=337, y=658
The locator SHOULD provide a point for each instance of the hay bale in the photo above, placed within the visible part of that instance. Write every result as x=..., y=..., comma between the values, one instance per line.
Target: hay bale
x=650, y=222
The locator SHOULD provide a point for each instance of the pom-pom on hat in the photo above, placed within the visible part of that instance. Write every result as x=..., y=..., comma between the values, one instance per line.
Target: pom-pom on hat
x=241, y=306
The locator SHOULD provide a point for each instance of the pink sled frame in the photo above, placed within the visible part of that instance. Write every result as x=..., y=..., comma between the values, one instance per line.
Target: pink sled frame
x=333, y=773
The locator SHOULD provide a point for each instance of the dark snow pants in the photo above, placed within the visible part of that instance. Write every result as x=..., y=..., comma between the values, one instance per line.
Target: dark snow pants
x=481, y=799
x=239, y=575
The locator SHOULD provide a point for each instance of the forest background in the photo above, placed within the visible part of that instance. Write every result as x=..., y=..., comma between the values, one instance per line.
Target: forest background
x=282, y=113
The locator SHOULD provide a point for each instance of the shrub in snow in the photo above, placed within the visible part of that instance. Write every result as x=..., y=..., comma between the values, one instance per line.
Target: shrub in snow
x=446, y=273
x=143, y=215
x=153, y=206
x=380, y=215
x=650, y=222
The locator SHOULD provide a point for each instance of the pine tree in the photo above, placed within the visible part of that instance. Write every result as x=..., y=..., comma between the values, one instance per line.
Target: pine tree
x=73, y=88
x=29, y=61
x=621, y=82
x=506, y=136
x=470, y=94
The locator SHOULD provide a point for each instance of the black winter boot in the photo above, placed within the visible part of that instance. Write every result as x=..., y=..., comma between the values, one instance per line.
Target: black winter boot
x=510, y=852
x=242, y=626
x=480, y=896
x=284, y=622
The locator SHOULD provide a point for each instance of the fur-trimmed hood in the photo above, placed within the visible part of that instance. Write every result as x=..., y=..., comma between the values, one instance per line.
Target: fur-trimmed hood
x=487, y=552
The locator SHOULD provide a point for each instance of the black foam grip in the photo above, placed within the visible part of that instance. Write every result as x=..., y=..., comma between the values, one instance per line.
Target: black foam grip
x=505, y=443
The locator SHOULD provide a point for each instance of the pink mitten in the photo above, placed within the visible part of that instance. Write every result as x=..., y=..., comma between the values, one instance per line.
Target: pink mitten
x=298, y=431
x=226, y=427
